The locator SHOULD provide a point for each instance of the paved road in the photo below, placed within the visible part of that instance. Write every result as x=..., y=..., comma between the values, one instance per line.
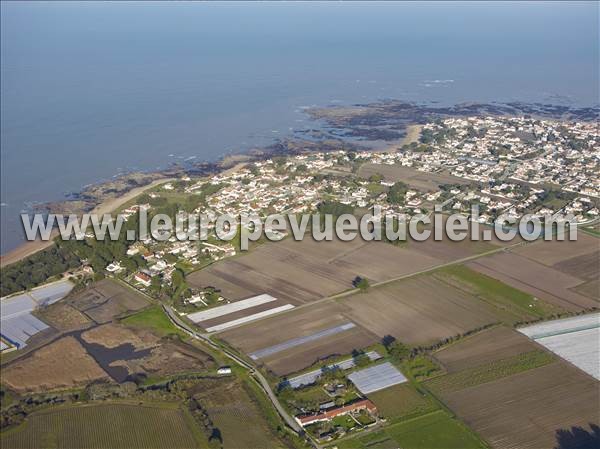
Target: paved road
x=255, y=372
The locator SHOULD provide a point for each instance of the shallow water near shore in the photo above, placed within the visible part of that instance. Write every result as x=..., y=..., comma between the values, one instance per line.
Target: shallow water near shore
x=91, y=90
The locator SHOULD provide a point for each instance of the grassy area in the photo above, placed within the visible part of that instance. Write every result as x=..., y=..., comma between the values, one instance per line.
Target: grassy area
x=500, y=295
x=272, y=417
x=401, y=401
x=344, y=421
x=104, y=426
x=154, y=318
x=436, y=430
x=307, y=397
x=490, y=371
x=592, y=231
x=421, y=367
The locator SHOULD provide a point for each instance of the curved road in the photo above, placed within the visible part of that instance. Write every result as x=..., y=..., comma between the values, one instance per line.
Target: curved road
x=255, y=372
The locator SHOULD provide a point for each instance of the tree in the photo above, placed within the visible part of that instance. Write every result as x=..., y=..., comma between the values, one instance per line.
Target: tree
x=398, y=351
x=388, y=340
x=360, y=358
x=360, y=283
x=578, y=438
x=397, y=193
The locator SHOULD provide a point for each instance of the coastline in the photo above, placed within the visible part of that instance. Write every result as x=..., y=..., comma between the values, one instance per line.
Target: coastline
x=31, y=247
x=109, y=205
x=337, y=119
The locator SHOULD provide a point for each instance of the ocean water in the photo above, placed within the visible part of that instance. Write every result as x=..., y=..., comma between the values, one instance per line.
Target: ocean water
x=89, y=90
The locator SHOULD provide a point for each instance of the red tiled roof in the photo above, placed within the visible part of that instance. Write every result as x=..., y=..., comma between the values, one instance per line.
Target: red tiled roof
x=330, y=414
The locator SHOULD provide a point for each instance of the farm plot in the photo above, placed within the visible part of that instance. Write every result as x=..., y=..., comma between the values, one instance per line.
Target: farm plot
x=526, y=410
x=576, y=340
x=543, y=282
x=419, y=310
x=553, y=252
x=104, y=426
x=234, y=314
x=60, y=364
x=484, y=347
x=414, y=178
x=399, y=401
x=106, y=300
x=234, y=409
x=300, y=357
x=586, y=266
x=435, y=430
x=300, y=272
x=490, y=371
x=277, y=329
x=520, y=305
x=298, y=339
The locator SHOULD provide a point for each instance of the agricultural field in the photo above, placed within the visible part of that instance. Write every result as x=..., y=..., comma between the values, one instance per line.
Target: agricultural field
x=424, y=181
x=105, y=426
x=237, y=414
x=298, y=324
x=61, y=364
x=484, y=347
x=526, y=410
x=518, y=304
x=401, y=401
x=300, y=272
x=554, y=252
x=419, y=310
x=436, y=430
x=543, y=282
x=220, y=318
x=489, y=372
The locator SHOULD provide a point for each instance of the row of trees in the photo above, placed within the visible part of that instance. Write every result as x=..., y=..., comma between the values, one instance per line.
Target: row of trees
x=37, y=269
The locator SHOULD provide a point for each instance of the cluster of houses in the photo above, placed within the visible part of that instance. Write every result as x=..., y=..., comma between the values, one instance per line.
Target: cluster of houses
x=510, y=161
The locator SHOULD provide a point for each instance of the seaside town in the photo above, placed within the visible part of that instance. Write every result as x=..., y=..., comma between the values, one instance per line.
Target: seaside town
x=508, y=166
x=300, y=225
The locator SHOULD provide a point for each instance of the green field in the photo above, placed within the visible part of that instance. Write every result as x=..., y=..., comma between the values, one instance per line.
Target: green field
x=496, y=293
x=421, y=367
x=104, y=426
x=490, y=371
x=435, y=430
x=154, y=318
x=400, y=401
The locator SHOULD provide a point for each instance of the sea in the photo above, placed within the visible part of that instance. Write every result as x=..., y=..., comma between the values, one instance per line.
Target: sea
x=90, y=90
